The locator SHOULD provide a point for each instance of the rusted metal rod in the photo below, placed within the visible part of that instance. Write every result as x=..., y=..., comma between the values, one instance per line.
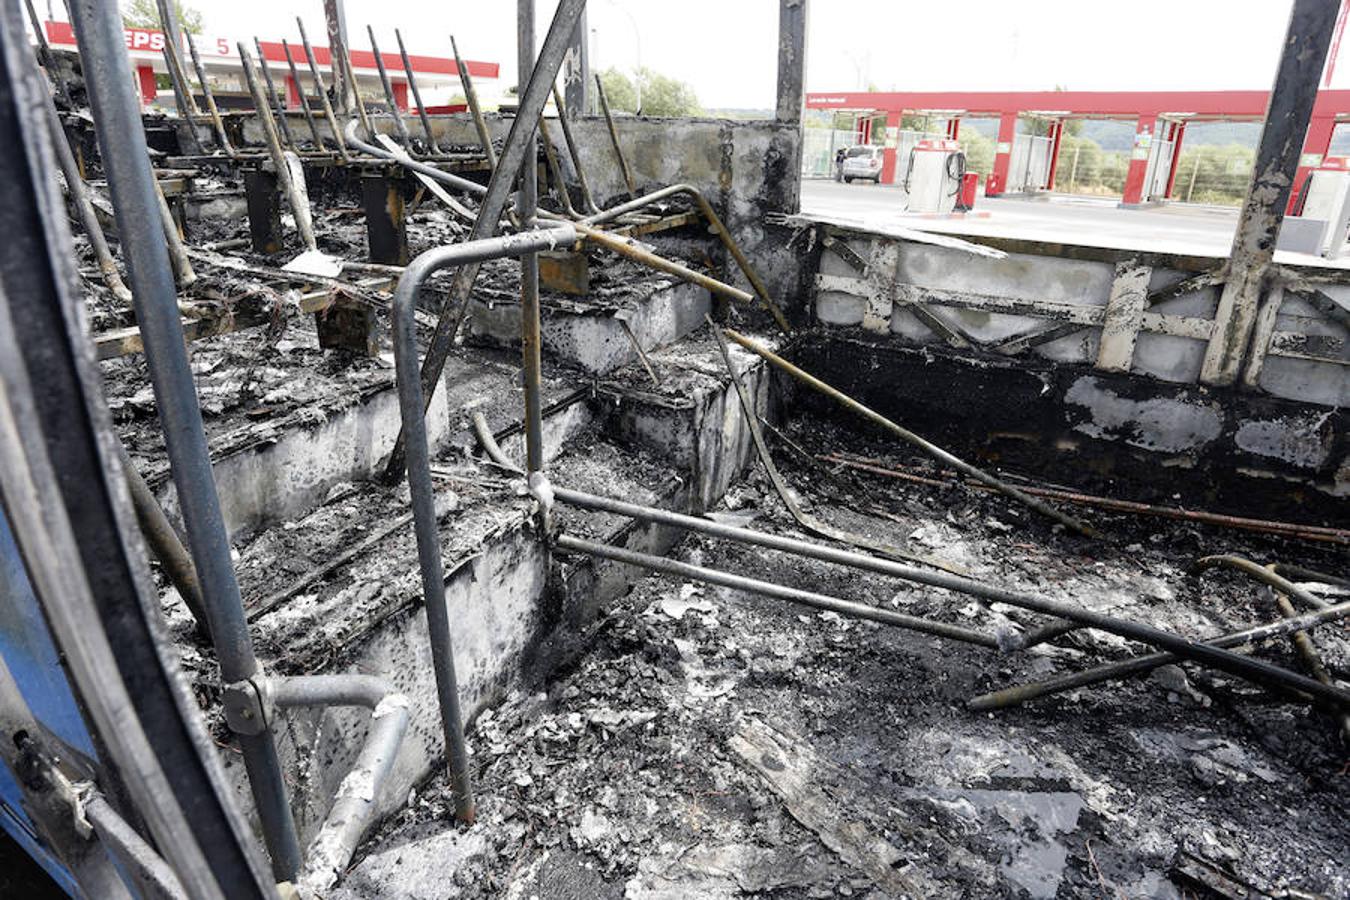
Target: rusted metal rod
x=356, y=94
x=476, y=111
x=1112, y=504
x=1021, y=693
x=221, y=137
x=804, y=519
x=417, y=94
x=84, y=207
x=555, y=170
x=910, y=437
x=1254, y=670
x=1303, y=574
x=717, y=227
x=1263, y=574
x=173, y=60
x=323, y=91
x=300, y=92
x=632, y=249
x=614, y=137
x=1312, y=660
x=178, y=259
x=46, y=57
x=573, y=152
x=164, y=542
x=273, y=98
x=849, y=608
x=1284, y=589
x=389, y=92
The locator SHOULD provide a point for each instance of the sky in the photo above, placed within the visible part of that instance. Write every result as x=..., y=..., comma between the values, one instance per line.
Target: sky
x=726, y=48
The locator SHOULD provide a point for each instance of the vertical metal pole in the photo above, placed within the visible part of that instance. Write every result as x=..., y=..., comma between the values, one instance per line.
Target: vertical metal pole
x=335, y=18
x=300, y=89
x=126, y=159
x=531, y=106
x=1311, y=24
x=210, y=99
x=527, y=203
x=273, y=98
x=323, y=92
x=417, y=95
x=389, y=91
x=577, y=70
x=471, y=97
x=791, y=60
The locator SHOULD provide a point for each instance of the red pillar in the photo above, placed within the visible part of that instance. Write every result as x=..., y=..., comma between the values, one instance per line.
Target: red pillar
x=401, y=95
x=1056, y=132
x=954, y=129
x=1134, y=177
x=1315, y=147
x=888, y=154
x=292, y=94
x=1176, y=136
x=997, y=182
x=145, y=79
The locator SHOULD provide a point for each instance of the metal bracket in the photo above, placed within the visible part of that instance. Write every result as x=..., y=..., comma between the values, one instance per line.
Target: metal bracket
x=248, y=707
x=842, y=250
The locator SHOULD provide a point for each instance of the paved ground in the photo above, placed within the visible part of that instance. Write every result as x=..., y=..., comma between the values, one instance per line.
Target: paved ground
x=1194, y=230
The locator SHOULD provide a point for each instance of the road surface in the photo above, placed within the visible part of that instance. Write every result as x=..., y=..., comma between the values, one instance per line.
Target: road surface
x=1175, y=228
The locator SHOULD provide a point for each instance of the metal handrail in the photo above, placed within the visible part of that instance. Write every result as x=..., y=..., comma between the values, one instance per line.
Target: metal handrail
x=411, y=409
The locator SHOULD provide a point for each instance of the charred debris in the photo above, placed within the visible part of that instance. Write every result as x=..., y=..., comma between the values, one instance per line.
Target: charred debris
x=515, y=453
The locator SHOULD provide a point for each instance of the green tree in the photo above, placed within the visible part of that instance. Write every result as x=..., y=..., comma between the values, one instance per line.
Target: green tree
x=145, y=14
x=661, y=94
x=619, y=90
x=666, y=96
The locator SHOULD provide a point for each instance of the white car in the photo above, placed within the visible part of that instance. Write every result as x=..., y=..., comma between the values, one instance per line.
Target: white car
x=863, y=162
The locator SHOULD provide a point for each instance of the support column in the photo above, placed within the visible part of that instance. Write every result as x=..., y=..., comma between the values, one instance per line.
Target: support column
x=888, y=155
x=997, y=182
x=401, y=95
x=1311, y=24
x=1177, y=136
x=1133, y=194
x=1056, y=134
x=791, y=60
x=577, y=71
x=145, y=80
x=292, y=92
x=264, y=210
x=954, y=129
x=386, y=227
x=1315, y=149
